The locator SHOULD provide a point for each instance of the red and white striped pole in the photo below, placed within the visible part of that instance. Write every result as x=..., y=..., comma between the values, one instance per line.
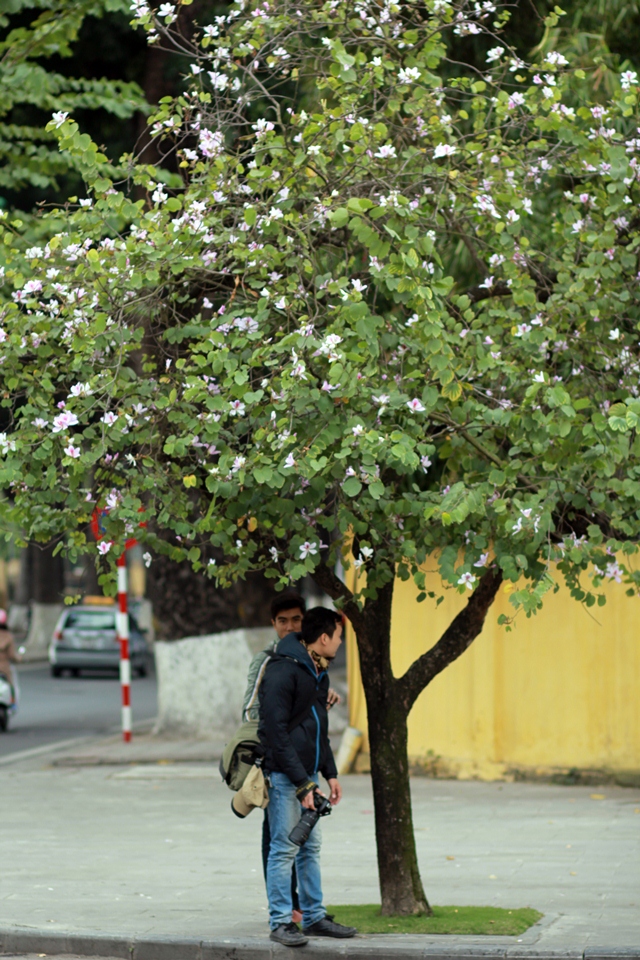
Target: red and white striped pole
x=122, y=631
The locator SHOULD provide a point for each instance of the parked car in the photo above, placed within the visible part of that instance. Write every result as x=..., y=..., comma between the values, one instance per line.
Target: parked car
x=85, y=639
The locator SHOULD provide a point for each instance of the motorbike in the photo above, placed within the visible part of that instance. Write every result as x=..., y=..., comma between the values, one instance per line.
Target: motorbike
x=9, y=698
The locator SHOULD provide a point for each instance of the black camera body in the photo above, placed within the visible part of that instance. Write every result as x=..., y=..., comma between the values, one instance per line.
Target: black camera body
x=322, y=808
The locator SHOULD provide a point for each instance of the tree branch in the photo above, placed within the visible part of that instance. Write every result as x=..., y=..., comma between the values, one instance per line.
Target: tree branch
x=330, y=582
x=459, y=635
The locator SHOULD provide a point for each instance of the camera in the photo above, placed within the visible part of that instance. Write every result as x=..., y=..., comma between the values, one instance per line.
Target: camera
x=300, y=833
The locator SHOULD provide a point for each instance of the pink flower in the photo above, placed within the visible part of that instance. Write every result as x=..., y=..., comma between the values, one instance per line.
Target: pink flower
x=72, y=451
x=63, y=421
x=416, y=406
x=104, y=547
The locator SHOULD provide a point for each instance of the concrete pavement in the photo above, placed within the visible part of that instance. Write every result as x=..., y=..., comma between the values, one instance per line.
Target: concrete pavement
x=145, y=860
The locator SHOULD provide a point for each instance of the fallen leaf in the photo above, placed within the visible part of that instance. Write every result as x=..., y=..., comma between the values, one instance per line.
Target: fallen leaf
x=573, y=873
x=597, y=796
x=492, y=876
x=450, y=858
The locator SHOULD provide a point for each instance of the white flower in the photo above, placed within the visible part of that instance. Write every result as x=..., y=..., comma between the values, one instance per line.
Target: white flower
x=385, y=152
x=467, y=580
x=444, y=150
x=628, y=78
x=238, y=464
x=159, y=195
x=274, y=554
x=308, y=549
x=425, y=463
x=494, y=54
x=290, y=461
x=382, y=400
x=366, y=552
x=167, y=10
x=413, y=319
x=5, y=444
x=39, y=423
x=104, y=547
x=556, y=58
x=358, y=430
x=512, y=216
x=236, y=408
x=109, y=418
x=72, y=451
x=408, y=74
x=281, y=304
x=515, y=100
x=59, y=118
x=63, y=421
x=147, y=559
x=246, y=324
x=328, y=387
x=614, y=334
x=81, y=390
x=482, y=561
x=416, y=406
x=211, y=562
x=539, y=377
x=358, y=286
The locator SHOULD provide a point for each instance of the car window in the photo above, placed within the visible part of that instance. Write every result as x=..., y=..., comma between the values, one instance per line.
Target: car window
x=90, y=620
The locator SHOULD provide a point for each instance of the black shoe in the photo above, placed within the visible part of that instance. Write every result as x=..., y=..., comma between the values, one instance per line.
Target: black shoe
x=327, y=927
x=288, y=935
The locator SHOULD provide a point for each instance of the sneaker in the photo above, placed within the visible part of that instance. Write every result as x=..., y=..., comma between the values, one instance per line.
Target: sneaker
x=296, y=916
x=327, y=927
x=288, y=935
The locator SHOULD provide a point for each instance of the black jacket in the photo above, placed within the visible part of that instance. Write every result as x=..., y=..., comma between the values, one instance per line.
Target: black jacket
x=289, y=685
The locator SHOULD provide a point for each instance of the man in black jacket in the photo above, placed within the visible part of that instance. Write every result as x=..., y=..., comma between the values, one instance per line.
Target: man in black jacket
x=294, y=731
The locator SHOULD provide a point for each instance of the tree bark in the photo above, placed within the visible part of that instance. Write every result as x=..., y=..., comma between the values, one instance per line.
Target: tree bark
x=389, y=701
x=401, y=889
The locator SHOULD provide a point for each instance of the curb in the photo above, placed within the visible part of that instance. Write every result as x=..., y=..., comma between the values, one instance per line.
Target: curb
x=408, y=947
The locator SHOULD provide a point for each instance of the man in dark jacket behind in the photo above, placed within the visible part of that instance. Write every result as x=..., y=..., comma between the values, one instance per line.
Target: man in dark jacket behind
x=294, y=731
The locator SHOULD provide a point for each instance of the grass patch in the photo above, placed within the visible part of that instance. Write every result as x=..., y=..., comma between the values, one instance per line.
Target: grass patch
x=493, y=921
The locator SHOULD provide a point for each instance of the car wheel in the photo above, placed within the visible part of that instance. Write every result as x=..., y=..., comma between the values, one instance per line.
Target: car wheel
x=75, y=672
x=4, y=718
x=142, y=670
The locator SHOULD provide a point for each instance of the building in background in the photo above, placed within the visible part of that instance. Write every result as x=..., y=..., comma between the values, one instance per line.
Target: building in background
x=556, y=695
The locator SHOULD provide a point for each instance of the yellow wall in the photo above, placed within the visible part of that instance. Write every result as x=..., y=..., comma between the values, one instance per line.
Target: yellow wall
x=561, y=690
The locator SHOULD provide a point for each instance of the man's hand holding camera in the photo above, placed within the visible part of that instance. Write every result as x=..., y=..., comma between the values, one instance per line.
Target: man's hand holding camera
x=335, y=797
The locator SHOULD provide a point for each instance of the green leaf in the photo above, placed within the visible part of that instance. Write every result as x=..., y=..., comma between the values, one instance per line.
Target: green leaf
x=352, y=486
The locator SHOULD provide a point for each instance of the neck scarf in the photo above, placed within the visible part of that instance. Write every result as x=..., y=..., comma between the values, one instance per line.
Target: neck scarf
x=321, y=662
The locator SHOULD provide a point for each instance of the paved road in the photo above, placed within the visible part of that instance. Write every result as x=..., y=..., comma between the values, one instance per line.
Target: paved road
x=153, y=850
x=54, y=709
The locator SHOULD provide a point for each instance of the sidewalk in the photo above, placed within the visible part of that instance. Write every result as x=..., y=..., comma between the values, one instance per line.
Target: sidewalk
x=144, y=860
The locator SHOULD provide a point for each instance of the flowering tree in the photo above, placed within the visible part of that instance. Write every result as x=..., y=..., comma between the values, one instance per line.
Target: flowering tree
x=387, y=327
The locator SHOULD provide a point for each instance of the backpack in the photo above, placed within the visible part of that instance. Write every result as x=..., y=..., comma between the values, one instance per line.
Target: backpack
x=244, y=750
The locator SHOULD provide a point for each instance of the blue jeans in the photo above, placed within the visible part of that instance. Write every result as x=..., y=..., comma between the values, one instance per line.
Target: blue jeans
x=284, y=811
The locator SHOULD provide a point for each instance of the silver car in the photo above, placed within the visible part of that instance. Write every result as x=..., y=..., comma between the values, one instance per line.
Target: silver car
x=85, y=639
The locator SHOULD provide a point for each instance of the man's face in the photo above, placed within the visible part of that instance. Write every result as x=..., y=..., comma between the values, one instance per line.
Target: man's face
x=288, y=621
x=331, y=645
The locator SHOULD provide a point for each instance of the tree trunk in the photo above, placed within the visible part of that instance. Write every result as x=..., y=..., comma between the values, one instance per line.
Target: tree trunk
x=389, y=701
x=401, y=888
x=46, y=593
x=187, y=604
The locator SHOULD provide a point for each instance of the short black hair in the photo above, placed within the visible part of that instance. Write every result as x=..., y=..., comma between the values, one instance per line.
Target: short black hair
x=286, y=601
x=317, y=621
